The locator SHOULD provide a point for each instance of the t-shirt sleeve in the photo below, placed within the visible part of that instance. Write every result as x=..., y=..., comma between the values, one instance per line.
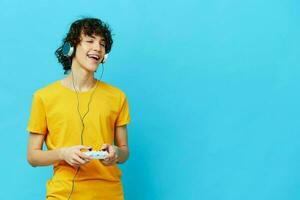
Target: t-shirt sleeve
x=124, y=116
x=37, y=121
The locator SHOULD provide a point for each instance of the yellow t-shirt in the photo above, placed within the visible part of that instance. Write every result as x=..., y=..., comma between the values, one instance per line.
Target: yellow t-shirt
x=54, y=113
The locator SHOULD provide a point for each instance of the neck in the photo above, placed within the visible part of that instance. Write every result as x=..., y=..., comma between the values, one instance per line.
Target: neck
x=83, y=80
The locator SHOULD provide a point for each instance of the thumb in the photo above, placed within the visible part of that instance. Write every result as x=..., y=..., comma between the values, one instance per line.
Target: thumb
x=83, y=147
x=105, y=147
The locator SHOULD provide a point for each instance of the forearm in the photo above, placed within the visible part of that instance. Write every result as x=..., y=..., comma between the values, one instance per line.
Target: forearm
x=44, y=158
x=123, y=154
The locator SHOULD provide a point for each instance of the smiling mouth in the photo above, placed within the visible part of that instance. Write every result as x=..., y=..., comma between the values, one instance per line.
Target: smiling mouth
x=94, y=57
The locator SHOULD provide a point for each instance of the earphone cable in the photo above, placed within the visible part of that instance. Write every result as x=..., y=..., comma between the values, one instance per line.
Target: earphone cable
x=82, y=122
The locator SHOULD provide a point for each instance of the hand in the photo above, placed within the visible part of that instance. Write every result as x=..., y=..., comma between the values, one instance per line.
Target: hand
x=74, y=157
x=112, y=157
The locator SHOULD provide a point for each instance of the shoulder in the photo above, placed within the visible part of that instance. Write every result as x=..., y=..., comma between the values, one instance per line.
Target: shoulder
x=52, y=89
x=112, y=90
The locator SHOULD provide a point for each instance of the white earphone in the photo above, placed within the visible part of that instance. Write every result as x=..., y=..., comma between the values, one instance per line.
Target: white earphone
x=105, y=58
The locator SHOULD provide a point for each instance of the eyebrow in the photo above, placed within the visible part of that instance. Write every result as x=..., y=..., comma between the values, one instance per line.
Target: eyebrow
x=102, y=39
x=91, y=36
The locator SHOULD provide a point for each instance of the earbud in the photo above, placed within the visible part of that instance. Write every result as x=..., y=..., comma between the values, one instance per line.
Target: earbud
x=105, y=58
x=67, y=49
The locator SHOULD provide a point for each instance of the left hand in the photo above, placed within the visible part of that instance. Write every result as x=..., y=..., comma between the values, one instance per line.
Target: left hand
x=112, y=157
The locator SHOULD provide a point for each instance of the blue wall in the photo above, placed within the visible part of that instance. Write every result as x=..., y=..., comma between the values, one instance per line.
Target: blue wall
x=213, y=88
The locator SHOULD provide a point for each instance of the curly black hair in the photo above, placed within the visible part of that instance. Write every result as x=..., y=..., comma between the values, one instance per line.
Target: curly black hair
x=87, y=26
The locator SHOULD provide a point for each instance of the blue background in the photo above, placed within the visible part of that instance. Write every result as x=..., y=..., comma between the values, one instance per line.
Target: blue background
x=213, y=88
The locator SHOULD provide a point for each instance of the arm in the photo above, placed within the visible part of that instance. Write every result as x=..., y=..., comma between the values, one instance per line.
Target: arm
x=37, y=157
x=120, y=152
x=121, y=141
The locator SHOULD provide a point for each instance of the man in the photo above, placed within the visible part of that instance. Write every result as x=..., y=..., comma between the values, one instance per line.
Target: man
x=77, y=114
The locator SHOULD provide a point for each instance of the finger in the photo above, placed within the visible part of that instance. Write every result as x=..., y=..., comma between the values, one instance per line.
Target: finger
x=110, y=161
x=105, y=147
x=106, y=163
x=70, y=163
x=81, y=155
x=73, y=164
x=79, y=160
x=84, y=156
x=111, y=152
x=107, y=158
x=116, y=158
x=78, y=146
x=114, y=155
x=81, y=147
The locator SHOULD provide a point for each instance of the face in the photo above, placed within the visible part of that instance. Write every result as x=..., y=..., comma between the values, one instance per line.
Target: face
x=89, y=52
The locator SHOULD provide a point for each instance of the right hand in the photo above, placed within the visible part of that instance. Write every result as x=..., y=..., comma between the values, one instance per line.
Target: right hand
x=73, y=155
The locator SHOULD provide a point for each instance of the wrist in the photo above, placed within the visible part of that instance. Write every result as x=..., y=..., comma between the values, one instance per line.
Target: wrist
x=117, y=151
x=61, y=153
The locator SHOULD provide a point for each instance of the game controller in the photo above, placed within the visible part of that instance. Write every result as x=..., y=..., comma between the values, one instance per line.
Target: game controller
x=97, y=154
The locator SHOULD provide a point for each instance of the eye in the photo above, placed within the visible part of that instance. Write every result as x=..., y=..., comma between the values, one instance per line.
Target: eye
x=89, y=41
x=102, y=45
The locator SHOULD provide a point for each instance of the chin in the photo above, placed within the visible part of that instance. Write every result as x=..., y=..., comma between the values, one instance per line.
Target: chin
x=92, y=69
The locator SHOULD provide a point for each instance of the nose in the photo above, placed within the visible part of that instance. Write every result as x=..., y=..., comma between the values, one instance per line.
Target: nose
x=96, y=46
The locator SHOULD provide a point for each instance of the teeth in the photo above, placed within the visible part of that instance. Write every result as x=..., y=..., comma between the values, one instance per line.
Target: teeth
x=94, y=56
